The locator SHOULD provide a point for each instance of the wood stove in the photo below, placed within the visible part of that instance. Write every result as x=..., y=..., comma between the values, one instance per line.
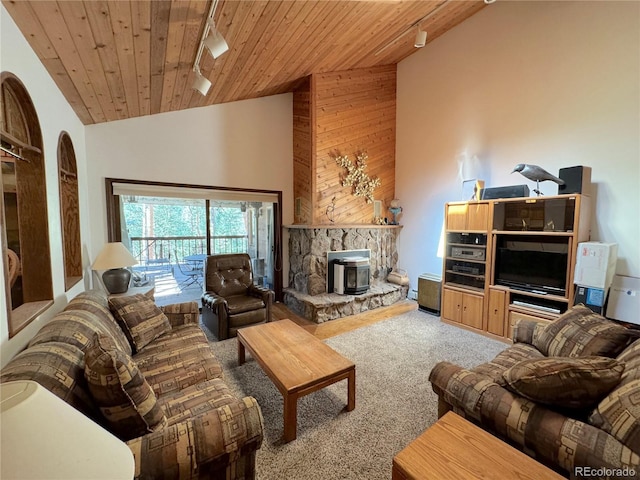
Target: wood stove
x=351, y=275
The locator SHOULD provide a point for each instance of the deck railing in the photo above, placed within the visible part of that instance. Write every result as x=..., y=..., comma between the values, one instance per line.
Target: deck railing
x=159, y=250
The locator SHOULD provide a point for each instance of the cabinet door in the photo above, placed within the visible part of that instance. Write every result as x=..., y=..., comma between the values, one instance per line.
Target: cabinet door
x=457, y=217
x=472, y=310
x=451, y=305
x=496, y=318
x=478, y=216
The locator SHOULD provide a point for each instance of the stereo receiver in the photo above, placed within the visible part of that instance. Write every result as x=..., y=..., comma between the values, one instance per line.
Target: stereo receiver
x=466, y=269
x=470, y=252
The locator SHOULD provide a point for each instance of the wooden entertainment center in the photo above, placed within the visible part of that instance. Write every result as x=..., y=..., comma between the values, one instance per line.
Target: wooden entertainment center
x=513, y=258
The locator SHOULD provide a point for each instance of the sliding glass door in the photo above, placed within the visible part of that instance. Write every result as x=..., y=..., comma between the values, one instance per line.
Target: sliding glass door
x=171, y=229
x=245, y=227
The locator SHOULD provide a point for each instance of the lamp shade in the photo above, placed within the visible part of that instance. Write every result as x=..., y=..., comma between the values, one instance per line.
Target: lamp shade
x=215, y=44
x=201, y=83
x=114, y=255
x=113, y=258
x=44, y=437
x=421, y=39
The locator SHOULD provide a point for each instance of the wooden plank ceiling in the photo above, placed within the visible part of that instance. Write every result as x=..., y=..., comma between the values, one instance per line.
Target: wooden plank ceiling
x=120, y=59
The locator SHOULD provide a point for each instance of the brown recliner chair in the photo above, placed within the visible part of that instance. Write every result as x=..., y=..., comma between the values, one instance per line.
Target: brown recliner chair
x=231, y=300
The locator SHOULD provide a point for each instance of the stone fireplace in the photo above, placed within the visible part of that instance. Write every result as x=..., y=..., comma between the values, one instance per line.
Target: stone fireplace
x=307, y=293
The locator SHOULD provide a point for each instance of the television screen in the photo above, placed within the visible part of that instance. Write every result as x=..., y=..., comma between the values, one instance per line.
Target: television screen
x=532, y=265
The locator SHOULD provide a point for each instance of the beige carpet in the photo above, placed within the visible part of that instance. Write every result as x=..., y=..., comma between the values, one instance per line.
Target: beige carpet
x=394, y=400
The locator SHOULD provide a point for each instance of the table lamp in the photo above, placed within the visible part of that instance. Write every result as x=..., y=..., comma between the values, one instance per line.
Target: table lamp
x=113, y=258
x=44, y=437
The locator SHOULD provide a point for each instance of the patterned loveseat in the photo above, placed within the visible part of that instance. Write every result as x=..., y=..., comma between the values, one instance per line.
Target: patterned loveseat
x=151, y=379
x=566, y=392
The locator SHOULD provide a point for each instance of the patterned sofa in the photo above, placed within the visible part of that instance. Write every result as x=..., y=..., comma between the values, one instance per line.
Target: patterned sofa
x=566, y=392
x=147, y=375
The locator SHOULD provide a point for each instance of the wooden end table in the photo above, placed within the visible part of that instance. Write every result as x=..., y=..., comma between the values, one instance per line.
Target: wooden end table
x=456, y=448
x=297, y=363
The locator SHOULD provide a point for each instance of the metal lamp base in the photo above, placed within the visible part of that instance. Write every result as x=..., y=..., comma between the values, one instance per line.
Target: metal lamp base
x=116, y=280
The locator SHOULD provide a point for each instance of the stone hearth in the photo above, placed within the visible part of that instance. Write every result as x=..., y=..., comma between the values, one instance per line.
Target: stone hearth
x=329, y=306
x=308, y=246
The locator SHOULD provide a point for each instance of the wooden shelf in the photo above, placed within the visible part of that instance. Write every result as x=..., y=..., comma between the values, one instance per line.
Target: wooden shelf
x=463, y=288
x=451, y=244
x=22, y=316
x=533, y=232
x=534, y=312
x=465, y=274
x=549, y=296
x=469, y=260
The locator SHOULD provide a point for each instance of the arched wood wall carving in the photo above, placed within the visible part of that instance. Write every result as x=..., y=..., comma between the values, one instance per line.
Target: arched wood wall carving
x=69, y=211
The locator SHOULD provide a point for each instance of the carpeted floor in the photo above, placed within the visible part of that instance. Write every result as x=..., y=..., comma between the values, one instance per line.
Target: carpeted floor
x=394, y=400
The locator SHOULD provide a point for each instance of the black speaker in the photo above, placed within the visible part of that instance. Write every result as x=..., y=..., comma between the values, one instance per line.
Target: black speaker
x=512, y=191
x=576, y=180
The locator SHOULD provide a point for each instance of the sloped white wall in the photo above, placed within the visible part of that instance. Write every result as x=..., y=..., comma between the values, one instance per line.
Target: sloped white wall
x=556, y=84
x=247, y=144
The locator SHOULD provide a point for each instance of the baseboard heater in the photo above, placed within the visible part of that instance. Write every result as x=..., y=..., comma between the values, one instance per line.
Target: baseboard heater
x=429, y=293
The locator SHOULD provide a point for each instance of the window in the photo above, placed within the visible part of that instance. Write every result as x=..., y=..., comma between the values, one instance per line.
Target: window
x=69, y=211
x=165, y=225
x=25, y=239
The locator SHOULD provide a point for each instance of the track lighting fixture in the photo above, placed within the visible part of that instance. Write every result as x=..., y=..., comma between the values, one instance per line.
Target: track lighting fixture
x=214, y=42
x=201, y=83
x=421, y=38
x=421, y=35
x=216, y=45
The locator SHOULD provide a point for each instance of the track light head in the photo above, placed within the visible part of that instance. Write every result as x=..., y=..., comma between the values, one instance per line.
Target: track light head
x=201, y=83
x=421, y=39
x=215, y=43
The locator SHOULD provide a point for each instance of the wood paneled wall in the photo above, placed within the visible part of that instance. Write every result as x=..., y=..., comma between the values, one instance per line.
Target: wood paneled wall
x=302, y=153
x=346, y=113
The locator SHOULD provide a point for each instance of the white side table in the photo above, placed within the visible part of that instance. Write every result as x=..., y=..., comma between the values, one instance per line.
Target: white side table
x=147, y=290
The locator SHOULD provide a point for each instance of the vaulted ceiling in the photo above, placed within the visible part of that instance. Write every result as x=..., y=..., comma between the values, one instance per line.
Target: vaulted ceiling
x=119, y=59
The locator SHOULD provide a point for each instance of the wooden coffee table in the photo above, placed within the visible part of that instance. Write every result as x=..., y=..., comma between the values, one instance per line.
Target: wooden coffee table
x=456, y=448
x=297, y=363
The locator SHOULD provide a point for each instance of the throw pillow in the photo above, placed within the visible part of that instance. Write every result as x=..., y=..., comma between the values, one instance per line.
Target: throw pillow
x=120, y=390
x=564, y=382
x=580, y=332
x=96, y=302
x=619, y=415
x=140, y=319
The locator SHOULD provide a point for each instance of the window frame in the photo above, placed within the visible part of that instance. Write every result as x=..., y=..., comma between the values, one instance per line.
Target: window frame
x=114, y=216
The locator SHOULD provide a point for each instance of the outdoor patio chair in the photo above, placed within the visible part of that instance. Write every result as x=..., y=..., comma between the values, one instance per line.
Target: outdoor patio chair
x=231, y=300
x=193, y=274
x=158, y=265
x=139, y=279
